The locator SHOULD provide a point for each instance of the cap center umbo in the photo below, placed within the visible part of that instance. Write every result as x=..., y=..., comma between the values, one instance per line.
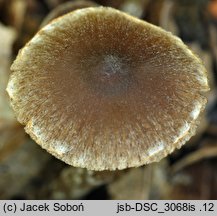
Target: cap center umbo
x=109, y=75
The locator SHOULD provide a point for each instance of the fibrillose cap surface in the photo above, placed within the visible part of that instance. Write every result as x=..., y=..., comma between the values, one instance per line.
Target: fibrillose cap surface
x=100, y=89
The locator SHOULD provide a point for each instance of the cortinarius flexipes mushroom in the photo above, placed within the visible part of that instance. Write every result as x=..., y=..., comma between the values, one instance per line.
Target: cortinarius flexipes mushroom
x=100, y=89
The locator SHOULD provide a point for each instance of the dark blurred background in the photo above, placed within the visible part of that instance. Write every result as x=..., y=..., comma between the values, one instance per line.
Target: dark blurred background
x=29, y=172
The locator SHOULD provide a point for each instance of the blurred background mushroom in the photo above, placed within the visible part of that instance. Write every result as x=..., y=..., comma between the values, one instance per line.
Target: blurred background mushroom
x=66, y=8
x=173, y=178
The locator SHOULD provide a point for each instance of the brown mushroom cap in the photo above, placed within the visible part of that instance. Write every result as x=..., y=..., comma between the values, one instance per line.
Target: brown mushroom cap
x=100, y=89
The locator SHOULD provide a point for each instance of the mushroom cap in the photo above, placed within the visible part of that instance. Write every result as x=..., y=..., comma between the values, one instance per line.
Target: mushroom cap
x=100, y=89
